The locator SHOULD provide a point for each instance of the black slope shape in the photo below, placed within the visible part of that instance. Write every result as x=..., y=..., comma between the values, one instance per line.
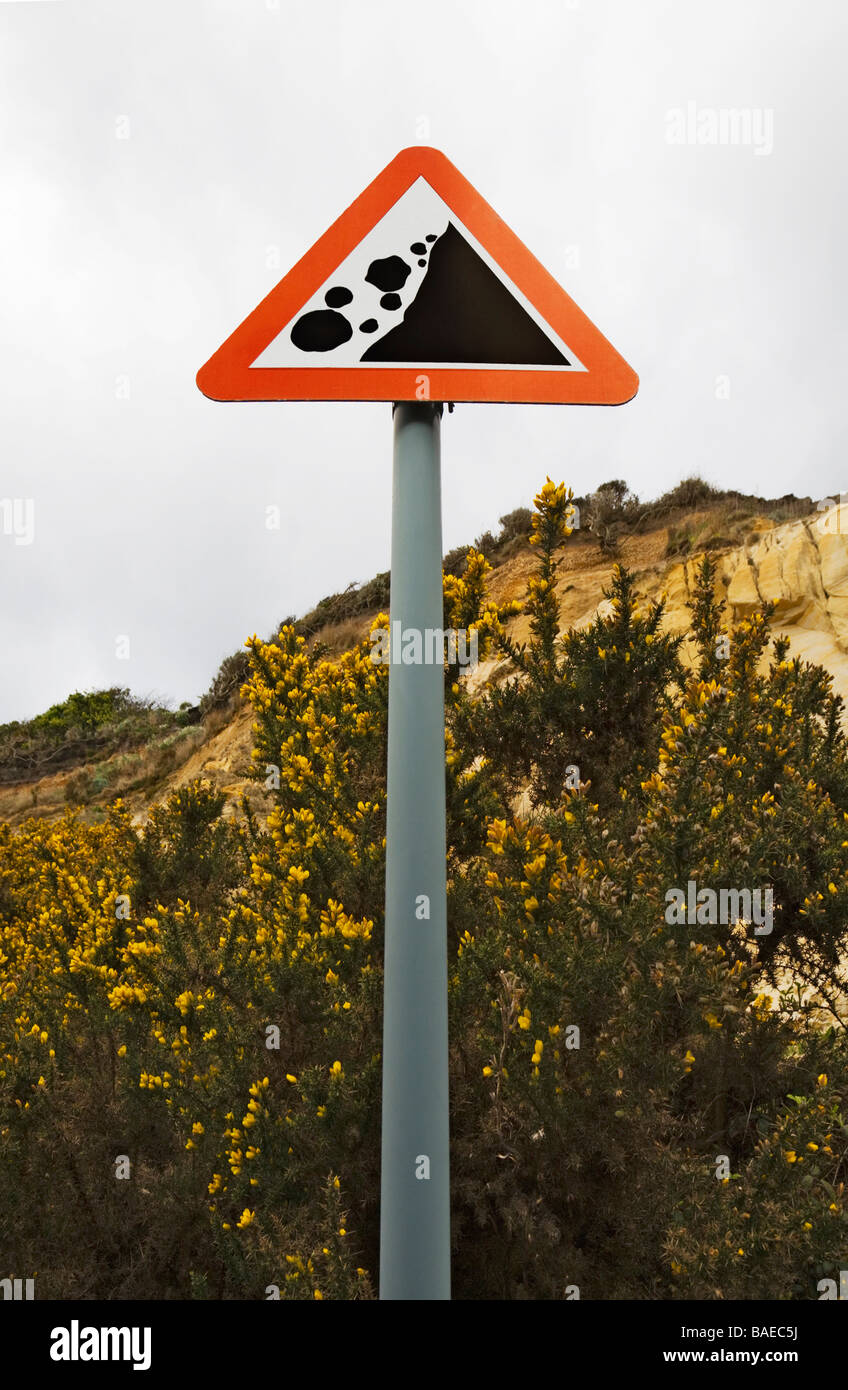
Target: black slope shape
x=464, y=313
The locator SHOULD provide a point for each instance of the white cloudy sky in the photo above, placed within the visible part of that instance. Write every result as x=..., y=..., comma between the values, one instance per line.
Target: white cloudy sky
x=163, y=164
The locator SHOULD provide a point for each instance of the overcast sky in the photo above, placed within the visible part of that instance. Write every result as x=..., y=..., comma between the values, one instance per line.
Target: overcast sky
x=163, y=164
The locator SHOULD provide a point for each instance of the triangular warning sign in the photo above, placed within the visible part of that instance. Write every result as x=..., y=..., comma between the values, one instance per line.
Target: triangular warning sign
x=418, y=292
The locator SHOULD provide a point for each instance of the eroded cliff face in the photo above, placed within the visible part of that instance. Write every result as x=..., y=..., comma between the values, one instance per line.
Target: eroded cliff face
x=802, y=568
x=799, y=566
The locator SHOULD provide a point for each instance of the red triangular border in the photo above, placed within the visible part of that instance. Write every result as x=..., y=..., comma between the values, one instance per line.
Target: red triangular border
x=228, y=375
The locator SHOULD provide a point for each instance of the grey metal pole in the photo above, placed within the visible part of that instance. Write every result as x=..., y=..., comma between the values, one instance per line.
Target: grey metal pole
x=415, y=1177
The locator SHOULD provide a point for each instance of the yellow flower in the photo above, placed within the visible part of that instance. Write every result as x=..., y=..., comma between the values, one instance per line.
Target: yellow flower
x=246, y=1217
x=487, y=1071
x=790, y=1155
x=822, y=1079
x=318, y=1294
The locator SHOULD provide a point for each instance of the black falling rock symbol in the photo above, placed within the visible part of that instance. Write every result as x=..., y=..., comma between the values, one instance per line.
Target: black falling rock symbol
x=389, y=274
x=321, y=331
x=464, y=313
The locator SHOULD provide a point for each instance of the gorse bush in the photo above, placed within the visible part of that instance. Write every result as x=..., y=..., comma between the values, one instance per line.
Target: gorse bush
x=590, y=699
x=646, y=1102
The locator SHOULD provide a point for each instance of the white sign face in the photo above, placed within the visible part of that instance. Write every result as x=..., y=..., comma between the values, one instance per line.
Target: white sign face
x=419, y=280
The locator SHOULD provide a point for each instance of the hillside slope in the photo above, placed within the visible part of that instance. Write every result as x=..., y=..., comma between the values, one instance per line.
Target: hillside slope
x=800, y=565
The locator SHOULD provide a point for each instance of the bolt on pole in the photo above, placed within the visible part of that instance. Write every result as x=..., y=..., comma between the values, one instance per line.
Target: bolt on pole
x=415, y=1176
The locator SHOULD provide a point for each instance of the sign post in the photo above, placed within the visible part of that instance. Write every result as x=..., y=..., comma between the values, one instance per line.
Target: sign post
x=417, y=294
x=415, y=1184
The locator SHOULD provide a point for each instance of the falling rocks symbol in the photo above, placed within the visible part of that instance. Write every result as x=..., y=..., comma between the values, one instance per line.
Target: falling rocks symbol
x=463, y=313
x=389, y=274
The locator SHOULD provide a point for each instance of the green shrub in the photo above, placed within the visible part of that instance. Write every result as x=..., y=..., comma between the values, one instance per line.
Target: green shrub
x=229, y=679
x=516, y=525
x=79, y=729
x=355, y=600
